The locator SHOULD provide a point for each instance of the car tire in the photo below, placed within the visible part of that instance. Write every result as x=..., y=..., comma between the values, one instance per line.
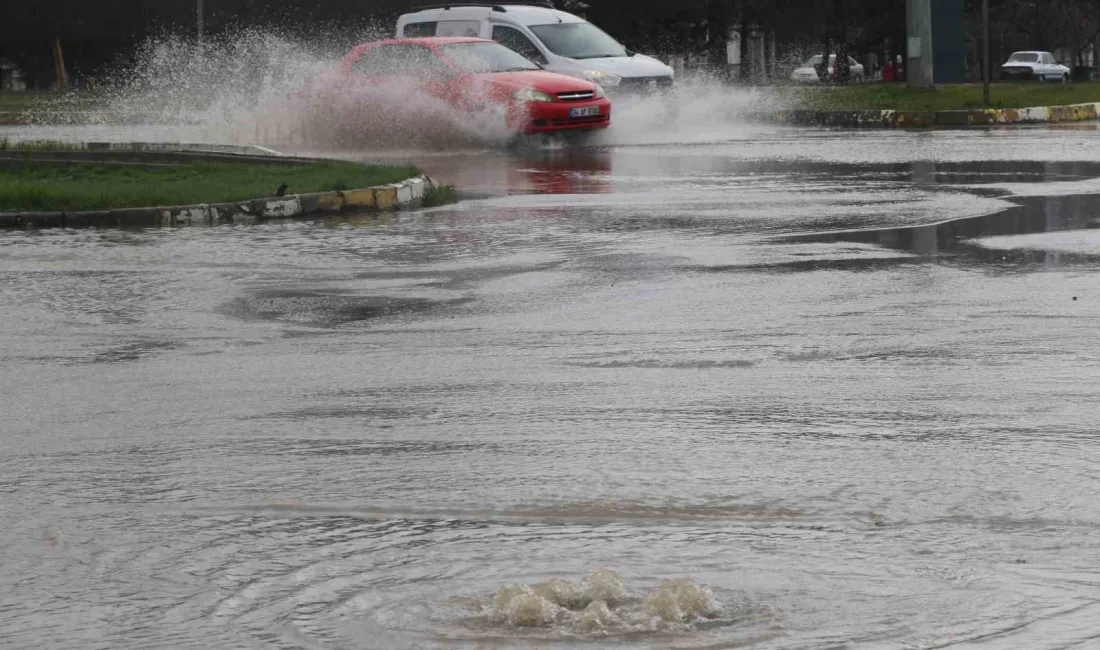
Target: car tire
x=857, y=79
x=1065, y=78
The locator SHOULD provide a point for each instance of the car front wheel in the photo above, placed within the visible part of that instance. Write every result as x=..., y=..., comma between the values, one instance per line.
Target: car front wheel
x=1065, y=78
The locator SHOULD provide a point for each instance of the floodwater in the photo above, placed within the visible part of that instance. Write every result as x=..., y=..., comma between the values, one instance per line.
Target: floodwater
x=772, y=388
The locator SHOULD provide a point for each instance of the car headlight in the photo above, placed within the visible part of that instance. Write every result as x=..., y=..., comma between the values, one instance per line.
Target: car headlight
x=531, y=95
x=602, y=78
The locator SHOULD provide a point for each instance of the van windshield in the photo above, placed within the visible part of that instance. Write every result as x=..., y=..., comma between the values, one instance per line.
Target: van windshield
x=578, y=40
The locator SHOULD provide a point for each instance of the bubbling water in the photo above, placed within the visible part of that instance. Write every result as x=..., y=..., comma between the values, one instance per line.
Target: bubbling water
x=601, y=604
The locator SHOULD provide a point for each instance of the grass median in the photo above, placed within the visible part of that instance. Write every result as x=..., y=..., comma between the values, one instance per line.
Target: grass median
x=22, y=101
x=896, y=96
x=48, y=103
x=32, y=186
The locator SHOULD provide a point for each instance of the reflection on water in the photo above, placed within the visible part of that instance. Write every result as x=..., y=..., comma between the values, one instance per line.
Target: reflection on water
x=1029, y=215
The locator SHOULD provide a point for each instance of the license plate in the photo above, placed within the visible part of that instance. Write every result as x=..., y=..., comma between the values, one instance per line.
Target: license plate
x=584, y=111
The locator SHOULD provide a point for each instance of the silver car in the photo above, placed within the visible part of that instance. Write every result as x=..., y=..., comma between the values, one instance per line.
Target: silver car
x=807, y=72
x=1037, y=66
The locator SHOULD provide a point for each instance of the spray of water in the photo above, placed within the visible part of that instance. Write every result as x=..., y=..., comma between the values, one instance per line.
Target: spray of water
x=262, y=86
x=257, y=86
x=700, y=109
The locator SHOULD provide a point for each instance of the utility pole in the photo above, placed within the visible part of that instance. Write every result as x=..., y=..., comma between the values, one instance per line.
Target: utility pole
x=199, y=19
x=919, y=71
x=985, y=52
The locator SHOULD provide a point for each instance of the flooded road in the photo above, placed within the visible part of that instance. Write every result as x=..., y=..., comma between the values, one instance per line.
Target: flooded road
x=788, y=389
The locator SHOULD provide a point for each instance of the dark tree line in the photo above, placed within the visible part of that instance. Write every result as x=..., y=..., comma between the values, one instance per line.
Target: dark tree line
x=97, y=33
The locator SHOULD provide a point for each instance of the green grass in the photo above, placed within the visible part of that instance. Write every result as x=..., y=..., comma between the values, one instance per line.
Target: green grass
x=20, y=101
x=438, y=195
x=35, y=187
x=962, y=96
x=40, y=100
x=38, y=145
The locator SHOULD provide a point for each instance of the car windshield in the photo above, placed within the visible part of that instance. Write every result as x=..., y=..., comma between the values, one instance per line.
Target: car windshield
x=485, y=57
x=1024, y=57
x=578, y=41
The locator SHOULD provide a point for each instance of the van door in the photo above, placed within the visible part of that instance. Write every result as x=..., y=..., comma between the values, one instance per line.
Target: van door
x=517, y=41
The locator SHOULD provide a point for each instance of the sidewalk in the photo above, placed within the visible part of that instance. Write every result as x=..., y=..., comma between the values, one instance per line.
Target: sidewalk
x=950, y=118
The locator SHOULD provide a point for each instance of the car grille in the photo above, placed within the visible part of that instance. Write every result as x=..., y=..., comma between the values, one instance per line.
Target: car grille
x=592, y=119
x=1017, y=71
x=576, y=96
x=636, y=84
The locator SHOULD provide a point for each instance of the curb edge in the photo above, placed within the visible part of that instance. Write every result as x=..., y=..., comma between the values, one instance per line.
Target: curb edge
x=382, y=198
x=890, y=118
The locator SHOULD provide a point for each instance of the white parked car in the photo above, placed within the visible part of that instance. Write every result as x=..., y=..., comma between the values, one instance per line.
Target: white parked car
x=556, y=40
x=1039, y=66
x=807, y=72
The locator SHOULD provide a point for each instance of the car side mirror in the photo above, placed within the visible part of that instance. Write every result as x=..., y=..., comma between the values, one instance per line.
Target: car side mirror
x=629, y=52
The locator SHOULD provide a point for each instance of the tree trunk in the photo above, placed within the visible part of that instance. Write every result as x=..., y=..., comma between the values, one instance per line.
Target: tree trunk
x=718, y=28
x=1096, y=40
x=842, y=71
x=827, y=40
x=746, y=68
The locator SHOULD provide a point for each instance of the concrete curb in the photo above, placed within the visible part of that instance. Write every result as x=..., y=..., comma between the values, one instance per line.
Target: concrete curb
x=925, y=119
x=119, y=149
x=395, y=196
x=190, y=147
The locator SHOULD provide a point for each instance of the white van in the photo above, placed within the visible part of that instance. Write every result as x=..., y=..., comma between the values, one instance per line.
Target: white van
x=556, y=40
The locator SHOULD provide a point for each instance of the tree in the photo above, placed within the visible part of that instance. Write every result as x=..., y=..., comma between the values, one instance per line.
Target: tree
x=1082, y=23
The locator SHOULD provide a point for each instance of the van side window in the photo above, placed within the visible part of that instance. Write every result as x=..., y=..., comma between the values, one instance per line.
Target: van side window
x=458, y=28
x=419, y=30
x=514, y=40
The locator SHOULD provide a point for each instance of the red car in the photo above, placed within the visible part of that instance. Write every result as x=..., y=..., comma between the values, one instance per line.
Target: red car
x=470, y=74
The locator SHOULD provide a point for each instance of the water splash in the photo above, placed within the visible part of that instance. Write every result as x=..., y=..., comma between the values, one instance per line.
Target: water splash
x=268, y=87
x=700, y=109
x=257, y=86
x=678, y=600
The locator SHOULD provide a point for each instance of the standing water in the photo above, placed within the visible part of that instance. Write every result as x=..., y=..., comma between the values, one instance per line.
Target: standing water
x=736, y=387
